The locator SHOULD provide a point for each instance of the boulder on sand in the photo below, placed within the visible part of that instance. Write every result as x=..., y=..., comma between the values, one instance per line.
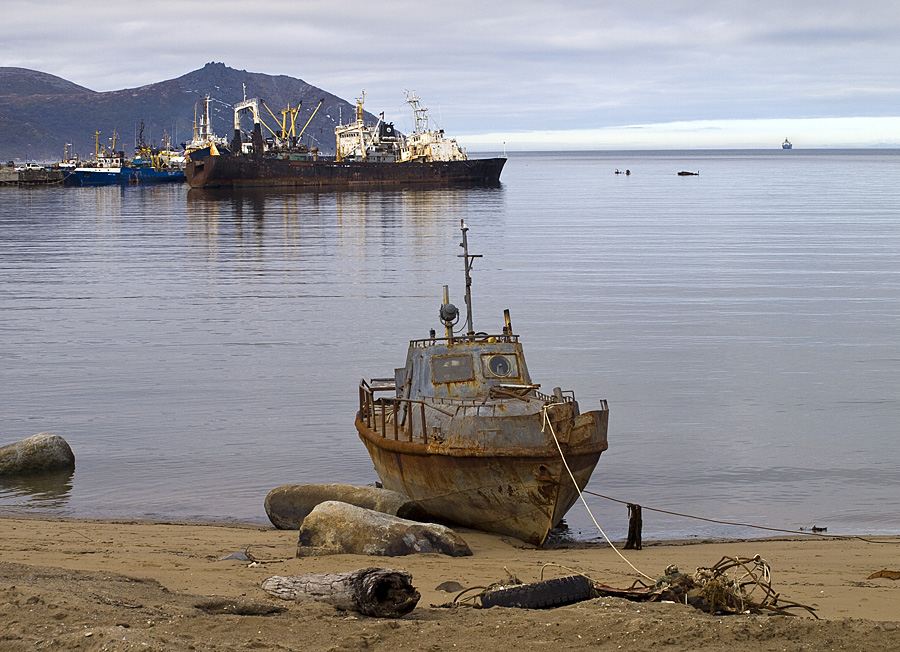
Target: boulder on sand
x=335, y=528
x=40, y=453
x=289, y=504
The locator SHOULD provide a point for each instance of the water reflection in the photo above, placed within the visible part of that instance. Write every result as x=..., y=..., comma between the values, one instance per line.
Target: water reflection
x=45, y=490
x=251, y=215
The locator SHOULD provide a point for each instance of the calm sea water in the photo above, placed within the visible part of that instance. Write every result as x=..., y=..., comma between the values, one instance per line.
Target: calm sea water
x=199, y=349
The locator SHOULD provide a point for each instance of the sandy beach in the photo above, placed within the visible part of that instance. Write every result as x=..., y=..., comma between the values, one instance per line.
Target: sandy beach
x=129, y=585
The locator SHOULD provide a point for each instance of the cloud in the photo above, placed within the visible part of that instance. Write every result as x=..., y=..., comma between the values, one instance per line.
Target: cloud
x=498, y=67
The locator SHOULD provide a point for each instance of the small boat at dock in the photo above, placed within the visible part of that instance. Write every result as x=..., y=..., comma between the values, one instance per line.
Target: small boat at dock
x=464, y=431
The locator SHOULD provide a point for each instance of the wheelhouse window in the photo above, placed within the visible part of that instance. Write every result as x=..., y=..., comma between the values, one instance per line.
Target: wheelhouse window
x=452, y=368
x=500, y=366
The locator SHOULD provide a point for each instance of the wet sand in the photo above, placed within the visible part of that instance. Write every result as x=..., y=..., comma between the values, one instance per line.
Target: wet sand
x=128, y=585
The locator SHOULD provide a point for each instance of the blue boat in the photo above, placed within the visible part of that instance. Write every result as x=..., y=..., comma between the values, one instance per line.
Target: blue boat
x=104, y=170
x=110, y=167
x=153, y=168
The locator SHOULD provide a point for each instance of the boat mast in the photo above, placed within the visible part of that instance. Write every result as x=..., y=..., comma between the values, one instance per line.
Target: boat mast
x=468, y=267
x=420, y=112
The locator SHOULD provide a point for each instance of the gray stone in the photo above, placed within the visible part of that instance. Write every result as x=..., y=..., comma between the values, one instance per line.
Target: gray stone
x=289, y=504
x=41, y=453
x=334, y=528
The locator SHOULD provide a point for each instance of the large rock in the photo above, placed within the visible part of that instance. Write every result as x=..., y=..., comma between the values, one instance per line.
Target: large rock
x=334, y=528
x=289, y=504
x=41, y=453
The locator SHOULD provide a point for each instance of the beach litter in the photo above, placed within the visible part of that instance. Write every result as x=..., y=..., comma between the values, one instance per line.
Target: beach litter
x=734, y=585
x=889, y=574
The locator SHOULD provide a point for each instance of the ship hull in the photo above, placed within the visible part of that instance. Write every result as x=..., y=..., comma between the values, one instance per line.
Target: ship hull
x=229, y=171
x=95, y=177
x=90, y=177
x=496, y=486
x=152, y=175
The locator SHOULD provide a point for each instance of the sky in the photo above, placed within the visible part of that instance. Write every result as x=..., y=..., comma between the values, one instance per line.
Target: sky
x=517, y=75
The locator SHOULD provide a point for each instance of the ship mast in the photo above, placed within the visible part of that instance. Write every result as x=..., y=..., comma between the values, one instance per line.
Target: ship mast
x=420, y=112
x=468, y=260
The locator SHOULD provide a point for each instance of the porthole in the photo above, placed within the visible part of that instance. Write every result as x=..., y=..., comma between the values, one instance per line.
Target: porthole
x=500, y=365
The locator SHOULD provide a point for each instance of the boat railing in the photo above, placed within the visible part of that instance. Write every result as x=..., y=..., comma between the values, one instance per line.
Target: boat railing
x=563, y=396
x=380, y=414
x=460, y=339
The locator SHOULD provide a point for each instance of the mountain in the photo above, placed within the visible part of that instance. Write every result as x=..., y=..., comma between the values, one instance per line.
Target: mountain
x=40, y=113
x=21, y=81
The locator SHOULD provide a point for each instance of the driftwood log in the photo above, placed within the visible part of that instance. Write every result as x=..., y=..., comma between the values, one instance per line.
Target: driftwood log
x=378, y=592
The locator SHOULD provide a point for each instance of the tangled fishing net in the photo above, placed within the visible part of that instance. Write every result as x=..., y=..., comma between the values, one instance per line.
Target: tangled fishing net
x=733, y=585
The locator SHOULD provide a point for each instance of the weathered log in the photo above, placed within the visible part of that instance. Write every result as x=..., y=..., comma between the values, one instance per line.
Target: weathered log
x=288, y=505
x=378, y=592
x=40, y=453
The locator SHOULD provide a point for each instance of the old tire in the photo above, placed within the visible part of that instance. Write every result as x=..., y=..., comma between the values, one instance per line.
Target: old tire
x=541, y=595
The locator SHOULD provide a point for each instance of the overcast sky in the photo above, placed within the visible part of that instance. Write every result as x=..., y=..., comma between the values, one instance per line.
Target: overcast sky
x=532, y=75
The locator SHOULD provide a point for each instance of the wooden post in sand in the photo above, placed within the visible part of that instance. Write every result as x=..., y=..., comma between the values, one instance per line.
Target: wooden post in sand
x=378, y=592
x=635, y=524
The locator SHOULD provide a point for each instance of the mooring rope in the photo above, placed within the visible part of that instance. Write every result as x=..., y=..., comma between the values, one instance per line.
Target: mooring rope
x=545, y=411
x=749, y=525
x=581, y=493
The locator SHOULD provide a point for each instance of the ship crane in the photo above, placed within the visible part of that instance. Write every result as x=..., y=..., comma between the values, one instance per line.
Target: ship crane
x=316, y=110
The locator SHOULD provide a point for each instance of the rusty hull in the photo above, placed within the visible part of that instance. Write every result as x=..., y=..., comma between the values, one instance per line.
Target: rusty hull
x=500, y=473
x=231, y=171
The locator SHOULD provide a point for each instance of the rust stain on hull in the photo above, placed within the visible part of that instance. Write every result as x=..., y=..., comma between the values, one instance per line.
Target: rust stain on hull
x=509, y=490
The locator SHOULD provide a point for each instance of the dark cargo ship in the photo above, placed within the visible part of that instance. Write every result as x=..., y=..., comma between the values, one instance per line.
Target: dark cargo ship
x=366, y=158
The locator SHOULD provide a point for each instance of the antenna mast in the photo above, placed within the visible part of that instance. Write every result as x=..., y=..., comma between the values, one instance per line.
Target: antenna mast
x=468, y=267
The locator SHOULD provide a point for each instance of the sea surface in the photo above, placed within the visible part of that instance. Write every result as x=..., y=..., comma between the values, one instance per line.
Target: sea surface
x=198, y=349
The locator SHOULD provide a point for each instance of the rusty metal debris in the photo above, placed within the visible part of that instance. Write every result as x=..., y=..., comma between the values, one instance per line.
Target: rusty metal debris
x=733, y=585
x=889, y=574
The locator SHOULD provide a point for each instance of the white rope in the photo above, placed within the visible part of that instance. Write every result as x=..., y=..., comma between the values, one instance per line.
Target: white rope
x=545, y=411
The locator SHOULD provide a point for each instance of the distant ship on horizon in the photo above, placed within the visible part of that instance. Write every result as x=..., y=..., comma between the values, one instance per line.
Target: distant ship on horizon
x=786, y=144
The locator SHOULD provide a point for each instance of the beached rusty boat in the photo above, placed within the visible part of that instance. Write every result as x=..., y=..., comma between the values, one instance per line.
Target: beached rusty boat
x=464, y=431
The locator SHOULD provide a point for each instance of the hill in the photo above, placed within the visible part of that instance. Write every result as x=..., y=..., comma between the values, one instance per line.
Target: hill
x=21, y=81
x=40, y=113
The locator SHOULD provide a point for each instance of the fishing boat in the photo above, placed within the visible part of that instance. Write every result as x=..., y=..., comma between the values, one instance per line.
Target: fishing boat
x=110, y=167
x=366, y=157
x=152, y=168
x=154, y=165
x=104, y=169
x=204, y=141
x=463, y=430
